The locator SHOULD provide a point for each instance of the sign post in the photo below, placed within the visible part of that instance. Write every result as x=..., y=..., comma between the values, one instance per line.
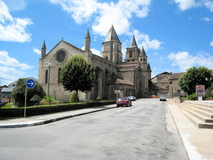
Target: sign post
x=30, y=83
x=200, y=92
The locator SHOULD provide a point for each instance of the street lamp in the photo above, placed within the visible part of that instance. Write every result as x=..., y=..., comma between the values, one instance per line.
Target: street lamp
x=209, y=82
x=48, y=87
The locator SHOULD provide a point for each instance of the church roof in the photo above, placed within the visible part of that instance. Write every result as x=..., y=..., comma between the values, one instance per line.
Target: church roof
x=116, y=81
x=112, y=35
x=43, y=45
x=143, y=53
x=87, y=34
x=133, y=44
x=176, y=75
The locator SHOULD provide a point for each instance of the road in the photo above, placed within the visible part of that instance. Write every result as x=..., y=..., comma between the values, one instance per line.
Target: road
x=145, y=131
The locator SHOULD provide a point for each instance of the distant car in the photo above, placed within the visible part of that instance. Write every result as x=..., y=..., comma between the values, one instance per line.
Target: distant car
x=123, y=101
x=132, y=98
x=162, y=98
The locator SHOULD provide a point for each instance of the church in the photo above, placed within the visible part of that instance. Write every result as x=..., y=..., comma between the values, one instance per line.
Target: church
x=115, y=78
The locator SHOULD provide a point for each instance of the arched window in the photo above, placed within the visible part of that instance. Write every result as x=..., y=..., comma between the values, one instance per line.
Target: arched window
x=130, y=54
x=59, y=70
x=46, y=76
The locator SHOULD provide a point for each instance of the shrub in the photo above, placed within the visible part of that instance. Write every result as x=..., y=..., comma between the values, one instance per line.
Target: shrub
x=99, y=98
x=192, y=97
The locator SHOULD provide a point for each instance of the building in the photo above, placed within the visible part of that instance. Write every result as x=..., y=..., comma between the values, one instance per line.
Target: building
x=6, y=92
x=114, y=77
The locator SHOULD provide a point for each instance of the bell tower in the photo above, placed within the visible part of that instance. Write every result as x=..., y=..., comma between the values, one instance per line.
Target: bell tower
x=111, y=47
x=132, y=53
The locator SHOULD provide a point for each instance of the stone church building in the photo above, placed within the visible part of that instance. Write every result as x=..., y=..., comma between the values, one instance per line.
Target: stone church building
x=115, y=78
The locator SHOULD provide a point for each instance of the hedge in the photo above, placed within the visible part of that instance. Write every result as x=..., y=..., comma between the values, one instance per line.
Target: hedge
x=32, y=111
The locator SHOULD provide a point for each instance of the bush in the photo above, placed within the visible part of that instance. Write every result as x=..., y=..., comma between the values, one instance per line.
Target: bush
x=192, y=97
x=74, y=97
x=99, y=98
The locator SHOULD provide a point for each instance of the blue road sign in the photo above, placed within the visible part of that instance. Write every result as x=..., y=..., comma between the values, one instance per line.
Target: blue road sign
x=30, y=83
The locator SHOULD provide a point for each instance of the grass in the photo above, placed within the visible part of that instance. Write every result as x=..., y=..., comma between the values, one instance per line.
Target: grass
x=8, y=105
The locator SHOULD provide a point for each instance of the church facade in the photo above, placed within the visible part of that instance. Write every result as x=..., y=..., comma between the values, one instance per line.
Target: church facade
x=115, y=78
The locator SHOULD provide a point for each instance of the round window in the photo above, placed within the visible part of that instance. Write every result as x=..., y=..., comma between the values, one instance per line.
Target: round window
x=60, y=57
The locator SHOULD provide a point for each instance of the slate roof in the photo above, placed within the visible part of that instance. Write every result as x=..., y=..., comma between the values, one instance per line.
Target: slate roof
x=176, y=75
x=112, y=35
x=116, y=81
x=133, y=44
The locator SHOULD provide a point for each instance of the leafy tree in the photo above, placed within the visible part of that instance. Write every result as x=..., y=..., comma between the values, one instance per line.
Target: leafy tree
x=18, y=92
x=77, y=74
x=194, y=76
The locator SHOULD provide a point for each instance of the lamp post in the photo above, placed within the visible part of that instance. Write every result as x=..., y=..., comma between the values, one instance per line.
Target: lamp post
x=209, y=83
x=48, y=87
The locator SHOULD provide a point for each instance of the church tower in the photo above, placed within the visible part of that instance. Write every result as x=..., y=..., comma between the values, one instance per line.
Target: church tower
x=132, y=53
x=87, y=41
x=111, y=47
x=43, y=50
x=143, y=59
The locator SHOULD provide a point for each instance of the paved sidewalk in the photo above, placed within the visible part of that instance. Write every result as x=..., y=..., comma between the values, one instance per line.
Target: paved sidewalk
x=48, y=118
x=198, y=142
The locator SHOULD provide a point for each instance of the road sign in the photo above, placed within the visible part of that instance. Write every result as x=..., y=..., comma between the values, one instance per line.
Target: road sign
x=30, y=83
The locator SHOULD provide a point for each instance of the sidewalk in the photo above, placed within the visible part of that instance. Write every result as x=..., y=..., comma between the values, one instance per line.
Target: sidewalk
x=48, y=118
x=198, y=142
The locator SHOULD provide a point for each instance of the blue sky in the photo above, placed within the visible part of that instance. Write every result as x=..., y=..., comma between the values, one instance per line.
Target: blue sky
x=176, y=34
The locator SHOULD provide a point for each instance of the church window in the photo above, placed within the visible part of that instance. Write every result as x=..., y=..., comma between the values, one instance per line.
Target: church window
x=130, y=54
x=59, y=70
x=141, y=59
x=60, y=56
x=46, y=76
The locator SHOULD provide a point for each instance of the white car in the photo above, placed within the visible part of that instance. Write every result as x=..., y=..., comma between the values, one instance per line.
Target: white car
x=132, y=98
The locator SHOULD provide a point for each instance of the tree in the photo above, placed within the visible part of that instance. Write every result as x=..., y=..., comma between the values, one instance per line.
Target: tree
x=194, y=76
x=77, y=75
x=18, y=92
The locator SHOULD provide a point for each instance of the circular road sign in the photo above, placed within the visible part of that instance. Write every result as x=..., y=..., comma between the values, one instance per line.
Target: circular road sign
x=30, y=83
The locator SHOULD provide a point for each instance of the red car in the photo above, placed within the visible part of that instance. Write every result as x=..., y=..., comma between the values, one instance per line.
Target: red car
x=123, y=101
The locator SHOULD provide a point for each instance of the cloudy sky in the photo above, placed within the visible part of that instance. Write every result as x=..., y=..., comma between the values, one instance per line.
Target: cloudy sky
x=176, y=34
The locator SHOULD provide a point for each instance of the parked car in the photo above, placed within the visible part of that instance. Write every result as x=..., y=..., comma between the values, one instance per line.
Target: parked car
x=132, y=98
x=123, y=101
x=162, y=98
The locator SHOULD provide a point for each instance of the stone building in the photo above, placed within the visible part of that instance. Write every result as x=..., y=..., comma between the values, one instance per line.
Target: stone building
x=114, y=77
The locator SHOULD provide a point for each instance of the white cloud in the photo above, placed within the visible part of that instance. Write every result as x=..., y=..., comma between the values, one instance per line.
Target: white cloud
x=188, y=4
x=7, y=61
x=105, y=14
x=144, y=40
x=9, y=75
x=184, y=60
x=95, y=51
x=207, y=19
x=36, y=50
x=209, y=5
x=13, y=29
x=15, y=5
x=185, y=4
x=211, y=43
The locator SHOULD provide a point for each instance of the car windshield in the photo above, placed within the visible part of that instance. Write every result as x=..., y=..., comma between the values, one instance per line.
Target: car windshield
x=119, y=99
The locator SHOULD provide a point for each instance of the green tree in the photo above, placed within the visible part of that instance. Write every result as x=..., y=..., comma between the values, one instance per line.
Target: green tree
x=194, y=76
x=77, y=75
x=18, y=92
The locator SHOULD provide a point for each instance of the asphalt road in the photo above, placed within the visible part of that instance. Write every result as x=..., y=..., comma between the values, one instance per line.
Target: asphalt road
x=145, y=131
